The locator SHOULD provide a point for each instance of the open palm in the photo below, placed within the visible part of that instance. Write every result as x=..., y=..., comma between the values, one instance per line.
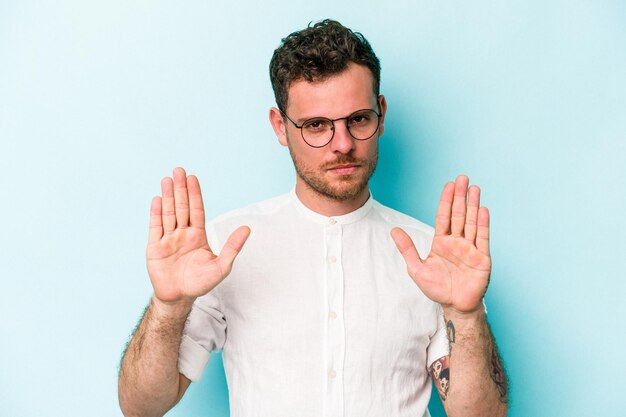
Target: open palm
x=456, y=272
x=180, y=262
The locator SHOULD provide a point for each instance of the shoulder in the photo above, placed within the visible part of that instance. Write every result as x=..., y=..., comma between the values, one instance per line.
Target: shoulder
x=264, y=212
x=421, y=233
x=260, y=209
x=395, y=218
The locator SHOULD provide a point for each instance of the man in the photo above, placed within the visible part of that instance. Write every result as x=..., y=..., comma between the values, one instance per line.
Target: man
x=318, y=316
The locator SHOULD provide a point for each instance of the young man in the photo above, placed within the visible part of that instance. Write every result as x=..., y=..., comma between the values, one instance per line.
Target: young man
x=318, y=316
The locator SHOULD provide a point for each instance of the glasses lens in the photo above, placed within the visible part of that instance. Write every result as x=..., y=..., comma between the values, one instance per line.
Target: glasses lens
x=363, y=124
x=317, y=132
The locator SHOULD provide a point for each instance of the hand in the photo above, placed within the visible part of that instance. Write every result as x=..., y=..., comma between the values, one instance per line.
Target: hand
x=456, y=272
x=180, y=262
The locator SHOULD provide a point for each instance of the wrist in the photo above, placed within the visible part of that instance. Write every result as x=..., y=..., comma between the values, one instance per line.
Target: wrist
x=478, y=314
x=171, y=309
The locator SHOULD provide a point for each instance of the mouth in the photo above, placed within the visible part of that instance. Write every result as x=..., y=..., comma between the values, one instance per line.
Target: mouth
x=343, y=169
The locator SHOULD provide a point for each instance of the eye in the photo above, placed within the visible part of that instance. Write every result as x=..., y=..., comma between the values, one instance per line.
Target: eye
x=360, y=119
x=317, y=125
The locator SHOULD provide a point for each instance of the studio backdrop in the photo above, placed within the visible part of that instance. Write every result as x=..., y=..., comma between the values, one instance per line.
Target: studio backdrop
x=101, y=99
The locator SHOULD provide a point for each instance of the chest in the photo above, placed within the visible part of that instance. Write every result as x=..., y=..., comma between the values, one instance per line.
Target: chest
x=331, y=289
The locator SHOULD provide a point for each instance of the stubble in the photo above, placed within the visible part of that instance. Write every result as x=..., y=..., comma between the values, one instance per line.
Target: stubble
x=345, y=187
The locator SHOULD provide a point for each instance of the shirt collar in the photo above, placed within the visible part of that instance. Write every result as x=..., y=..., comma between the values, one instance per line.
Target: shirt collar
x=351, y=217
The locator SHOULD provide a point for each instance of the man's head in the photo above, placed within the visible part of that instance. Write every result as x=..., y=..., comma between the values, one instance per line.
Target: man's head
x=328, y=73
x=316, y=53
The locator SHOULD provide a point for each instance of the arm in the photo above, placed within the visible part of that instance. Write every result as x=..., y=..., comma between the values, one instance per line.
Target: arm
x=182, y=267
x=456, y=274
x=475, y=367
x=149, y=381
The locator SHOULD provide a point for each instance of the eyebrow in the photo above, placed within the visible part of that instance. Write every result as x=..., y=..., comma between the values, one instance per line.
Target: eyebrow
x=301, y=120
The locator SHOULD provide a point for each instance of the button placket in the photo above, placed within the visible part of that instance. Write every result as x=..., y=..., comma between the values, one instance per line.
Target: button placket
x=335, y=333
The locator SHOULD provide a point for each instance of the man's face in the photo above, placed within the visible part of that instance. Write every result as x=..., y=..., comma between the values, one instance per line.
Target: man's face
x=341, y=169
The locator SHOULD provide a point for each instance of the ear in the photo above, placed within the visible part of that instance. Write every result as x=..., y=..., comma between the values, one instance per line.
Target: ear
x=279, y=126
x=383, y=111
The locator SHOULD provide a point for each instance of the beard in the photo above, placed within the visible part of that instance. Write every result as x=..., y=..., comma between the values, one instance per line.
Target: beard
x=344, y=187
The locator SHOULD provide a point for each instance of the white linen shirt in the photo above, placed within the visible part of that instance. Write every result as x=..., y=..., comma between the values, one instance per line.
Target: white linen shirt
x=319, y=317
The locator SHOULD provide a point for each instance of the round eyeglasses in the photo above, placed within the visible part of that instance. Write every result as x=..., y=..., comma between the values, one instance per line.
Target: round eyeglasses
x=319, y=131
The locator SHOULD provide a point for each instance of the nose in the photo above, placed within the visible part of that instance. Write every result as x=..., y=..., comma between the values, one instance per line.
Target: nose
x=342, y=142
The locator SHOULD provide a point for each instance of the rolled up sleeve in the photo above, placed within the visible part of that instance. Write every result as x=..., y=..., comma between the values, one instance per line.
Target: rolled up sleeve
x=204, y=332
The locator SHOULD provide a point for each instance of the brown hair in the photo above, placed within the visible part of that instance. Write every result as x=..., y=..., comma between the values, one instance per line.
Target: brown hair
x=318, y=52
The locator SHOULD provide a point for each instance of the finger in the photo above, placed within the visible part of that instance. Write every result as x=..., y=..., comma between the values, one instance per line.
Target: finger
x=407, y=249
x=482, y=236
x=168, y=213
x=473, y=202
x=459, y=205
x=232, y=248
x=156, y=225
x=181, y=198
x=196, y=206
x=442, y=219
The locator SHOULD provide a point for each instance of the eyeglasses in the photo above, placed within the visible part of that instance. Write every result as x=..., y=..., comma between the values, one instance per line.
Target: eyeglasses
x=319, y=131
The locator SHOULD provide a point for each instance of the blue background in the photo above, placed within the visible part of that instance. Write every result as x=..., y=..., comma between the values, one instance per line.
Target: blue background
x=99, y=100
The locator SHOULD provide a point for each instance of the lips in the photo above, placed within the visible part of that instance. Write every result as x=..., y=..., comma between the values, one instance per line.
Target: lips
x=343, y=169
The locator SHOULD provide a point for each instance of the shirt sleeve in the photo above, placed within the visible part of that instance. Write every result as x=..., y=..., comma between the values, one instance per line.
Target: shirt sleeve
x=439, y=345
x=204, y=332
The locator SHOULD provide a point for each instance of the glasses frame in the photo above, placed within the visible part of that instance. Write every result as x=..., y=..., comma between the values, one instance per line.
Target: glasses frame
x=332, y=121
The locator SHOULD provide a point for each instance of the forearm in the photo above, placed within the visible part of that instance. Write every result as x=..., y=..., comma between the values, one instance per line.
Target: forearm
x=149, y=381
x=477, y=384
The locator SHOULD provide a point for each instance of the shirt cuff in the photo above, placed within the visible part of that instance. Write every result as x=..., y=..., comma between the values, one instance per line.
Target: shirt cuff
x=192, y=359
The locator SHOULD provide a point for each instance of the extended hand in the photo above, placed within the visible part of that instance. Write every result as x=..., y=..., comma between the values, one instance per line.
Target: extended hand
x=456, y=272
x=180, y=262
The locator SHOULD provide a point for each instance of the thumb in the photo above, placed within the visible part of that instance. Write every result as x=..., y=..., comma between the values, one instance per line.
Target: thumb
x=232, y=248
x=407, y=249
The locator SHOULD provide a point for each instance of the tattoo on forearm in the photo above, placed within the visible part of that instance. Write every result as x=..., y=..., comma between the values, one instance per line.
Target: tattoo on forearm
x=451, y=334
x=498, y=374
x=440, y=371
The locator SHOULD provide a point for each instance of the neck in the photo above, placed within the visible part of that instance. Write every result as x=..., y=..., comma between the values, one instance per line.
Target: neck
x=327, y=206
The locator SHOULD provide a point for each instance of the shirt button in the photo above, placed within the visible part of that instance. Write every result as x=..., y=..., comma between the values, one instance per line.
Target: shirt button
x=332, y=315
x=332, y=259
x=332, y=374
x=332, y=221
